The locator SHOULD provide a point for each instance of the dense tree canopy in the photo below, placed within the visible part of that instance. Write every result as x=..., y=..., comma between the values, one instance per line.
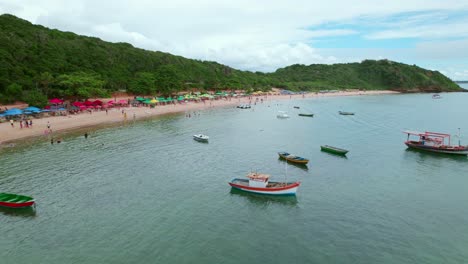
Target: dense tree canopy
x=37, y=62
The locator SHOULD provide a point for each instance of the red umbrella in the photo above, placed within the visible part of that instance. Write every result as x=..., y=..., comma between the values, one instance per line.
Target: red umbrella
x=97, y=102
x=88, y=103
x=123, y=102
x=55, y=101
x=82, y=107
x=111, y=102
x=77, y=104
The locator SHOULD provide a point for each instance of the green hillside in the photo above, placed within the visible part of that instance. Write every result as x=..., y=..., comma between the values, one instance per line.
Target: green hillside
x=38, y=63
x=367, y=75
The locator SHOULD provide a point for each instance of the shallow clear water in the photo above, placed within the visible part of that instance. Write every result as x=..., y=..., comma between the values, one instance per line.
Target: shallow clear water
x=148, y=193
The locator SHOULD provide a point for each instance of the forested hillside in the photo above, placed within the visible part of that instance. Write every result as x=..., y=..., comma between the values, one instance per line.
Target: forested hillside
x=37, y=63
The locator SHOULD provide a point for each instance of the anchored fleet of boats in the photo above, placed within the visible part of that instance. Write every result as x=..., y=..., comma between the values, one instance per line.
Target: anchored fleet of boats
x=260, y=183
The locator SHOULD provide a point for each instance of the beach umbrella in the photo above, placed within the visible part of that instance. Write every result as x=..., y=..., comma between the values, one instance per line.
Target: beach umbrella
x=141, y=99
x=32, y=109
x=153, y=101
x=123, y=102
x=77, y=103
x=97, y=102
x=88, y=103
x=55, y=101
x=82, y=107
x=111, y=102
x=13, y=111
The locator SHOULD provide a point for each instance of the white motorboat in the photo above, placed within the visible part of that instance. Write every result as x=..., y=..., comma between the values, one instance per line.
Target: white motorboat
x=201, y=137
x=282, y=114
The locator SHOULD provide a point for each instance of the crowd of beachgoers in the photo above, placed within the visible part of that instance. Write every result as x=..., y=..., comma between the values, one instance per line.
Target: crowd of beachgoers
x=60, y=116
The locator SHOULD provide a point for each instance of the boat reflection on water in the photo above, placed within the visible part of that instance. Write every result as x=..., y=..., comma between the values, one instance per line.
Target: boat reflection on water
x=434, y=155
x=297, y=165
x=262, y=199
x=22, y=212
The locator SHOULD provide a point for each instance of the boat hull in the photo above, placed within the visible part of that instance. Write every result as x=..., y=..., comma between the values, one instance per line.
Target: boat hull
x=308, y=115
x=334, y=150
x=289, y=189
x=450, y=151
x=298, y=161
x=345, y=113
x=15, y=201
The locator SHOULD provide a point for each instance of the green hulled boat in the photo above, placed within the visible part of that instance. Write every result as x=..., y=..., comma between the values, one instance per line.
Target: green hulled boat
x=309, y=115
x=15, y=200
x=333, y=150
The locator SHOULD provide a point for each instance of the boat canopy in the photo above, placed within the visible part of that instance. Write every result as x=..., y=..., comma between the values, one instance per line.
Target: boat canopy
x=427, y=134
x=258, y=176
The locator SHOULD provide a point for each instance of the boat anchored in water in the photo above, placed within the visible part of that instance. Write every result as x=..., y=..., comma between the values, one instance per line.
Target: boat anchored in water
x=293, y=158
x=434, y=142
x=15, y=200
x=345, y=113
x=333, y=150
x=282, y=114
x=436, y=96
x=201, y=137
x=260, y=183
x=304, y=114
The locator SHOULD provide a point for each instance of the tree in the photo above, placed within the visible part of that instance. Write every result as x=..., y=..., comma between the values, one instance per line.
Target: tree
x=45, y=79
x=168, y=79
x=35, y=98
x=11, y=93
x=143, y=84
x=82, y=85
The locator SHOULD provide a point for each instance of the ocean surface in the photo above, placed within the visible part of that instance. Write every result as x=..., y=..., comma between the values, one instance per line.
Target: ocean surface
x=148, y=193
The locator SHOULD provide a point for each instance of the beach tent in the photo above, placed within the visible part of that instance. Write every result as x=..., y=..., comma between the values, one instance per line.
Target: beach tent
x=13, y=111
x=55, y=101
x=32, y=109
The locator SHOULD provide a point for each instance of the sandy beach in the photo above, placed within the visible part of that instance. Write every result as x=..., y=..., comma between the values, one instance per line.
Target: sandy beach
x=62, y=124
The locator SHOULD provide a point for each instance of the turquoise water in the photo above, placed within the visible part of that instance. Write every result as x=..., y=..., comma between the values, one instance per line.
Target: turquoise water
x=149, y=193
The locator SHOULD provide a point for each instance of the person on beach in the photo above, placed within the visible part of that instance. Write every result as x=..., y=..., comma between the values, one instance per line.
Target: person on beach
x=134, y=116
x=21, y=124
x=51, y=141
x=11, y=123
x=48, y=125
x=30, y=122
x=107, y=111
x=26, y=123
x=86, y=135
x=59, y=140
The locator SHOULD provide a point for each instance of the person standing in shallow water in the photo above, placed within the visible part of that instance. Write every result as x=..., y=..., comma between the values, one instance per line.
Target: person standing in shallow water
x=86, y=135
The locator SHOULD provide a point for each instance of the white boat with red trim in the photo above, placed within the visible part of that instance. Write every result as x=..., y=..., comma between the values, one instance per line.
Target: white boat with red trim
x=434, y=142
x=259, y=183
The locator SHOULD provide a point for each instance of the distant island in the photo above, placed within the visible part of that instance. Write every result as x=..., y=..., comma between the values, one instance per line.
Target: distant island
x=37, y=63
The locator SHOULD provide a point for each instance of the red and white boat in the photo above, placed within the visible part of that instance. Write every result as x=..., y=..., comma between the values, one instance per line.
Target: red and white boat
x=434, y=142
x=259, y=183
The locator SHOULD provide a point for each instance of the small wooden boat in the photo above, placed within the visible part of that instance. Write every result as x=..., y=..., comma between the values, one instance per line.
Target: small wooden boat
x=244, y=106
x=259, y=183
x=282, y=114
x=15, y=200
x=436, y=96
x=309, y=115
x=201, y=137
x=297, y=107
x=333, y=150
x=293, y=158
x=345, y=113
x=434, y=142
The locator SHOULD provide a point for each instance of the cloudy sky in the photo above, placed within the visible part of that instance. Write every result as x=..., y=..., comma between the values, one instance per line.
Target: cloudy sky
x=265, y=35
